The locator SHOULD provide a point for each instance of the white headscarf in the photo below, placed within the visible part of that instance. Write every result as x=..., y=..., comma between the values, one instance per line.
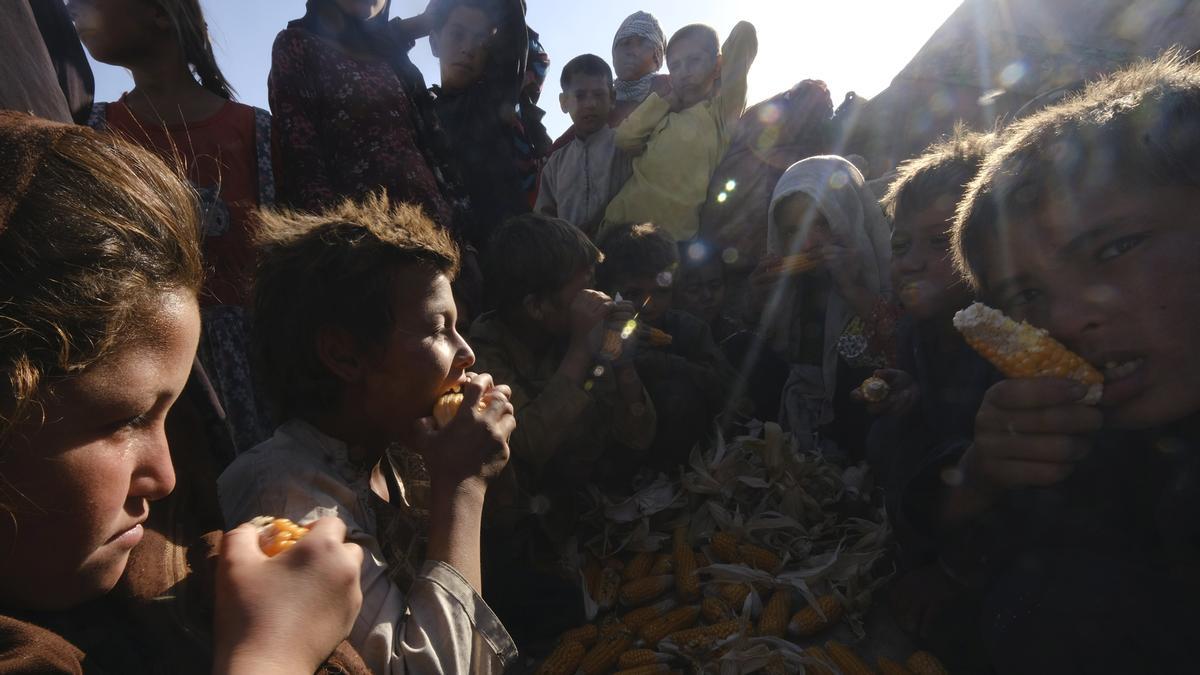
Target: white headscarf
x=840, y=194
x=643, y=25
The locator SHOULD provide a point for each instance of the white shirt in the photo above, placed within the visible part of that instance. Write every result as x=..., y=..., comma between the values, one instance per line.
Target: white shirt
x=580, y=179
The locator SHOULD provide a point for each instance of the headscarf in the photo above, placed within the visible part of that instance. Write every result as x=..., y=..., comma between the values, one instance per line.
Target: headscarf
x=643, y=25
x=356, y=31
x=25, y=141
x=840, y=194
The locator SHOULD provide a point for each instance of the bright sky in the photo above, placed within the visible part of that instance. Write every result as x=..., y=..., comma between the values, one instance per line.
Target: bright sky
x=856, y=45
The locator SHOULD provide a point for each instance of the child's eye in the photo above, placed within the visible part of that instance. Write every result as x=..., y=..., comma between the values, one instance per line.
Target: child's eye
x=941, y=242
x=1023, y=297
x=1119, y=247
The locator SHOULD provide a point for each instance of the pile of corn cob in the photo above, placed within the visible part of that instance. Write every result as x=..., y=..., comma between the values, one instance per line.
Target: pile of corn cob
x=745, y=562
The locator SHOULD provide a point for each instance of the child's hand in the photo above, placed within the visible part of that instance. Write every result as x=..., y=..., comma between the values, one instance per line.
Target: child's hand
x=305, y=598
x=473, y=448
x=902, y=393
x=1029, y=433
x=588, y=310
x=620, y=314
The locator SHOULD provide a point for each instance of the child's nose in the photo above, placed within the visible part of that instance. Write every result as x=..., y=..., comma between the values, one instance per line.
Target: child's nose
x=154, y=475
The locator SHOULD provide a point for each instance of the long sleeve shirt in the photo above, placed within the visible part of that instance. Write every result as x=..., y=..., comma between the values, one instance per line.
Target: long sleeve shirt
x=581, y=178
x=440, y=625
x=676, y=153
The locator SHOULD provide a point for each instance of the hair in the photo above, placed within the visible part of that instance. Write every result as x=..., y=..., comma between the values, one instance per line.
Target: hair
x=534, y=254
x=697, y=31
x=191, y=32
x=443, y=10
x=942, y=171
x=1139, y=126
x=336, y=268
x=696, y=254
x=635, y=252
x=586, y=64
x=102, y=231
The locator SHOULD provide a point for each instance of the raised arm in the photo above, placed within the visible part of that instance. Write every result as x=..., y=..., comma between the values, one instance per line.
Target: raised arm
x=634, y=132
x=737, y=54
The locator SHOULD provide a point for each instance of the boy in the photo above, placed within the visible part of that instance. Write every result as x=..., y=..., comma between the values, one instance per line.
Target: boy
x=700, y=288
x=689, y=378
x=582, y=177
x=677, y=140
x=481, y=47
x=354, y=328
x=1084, y=222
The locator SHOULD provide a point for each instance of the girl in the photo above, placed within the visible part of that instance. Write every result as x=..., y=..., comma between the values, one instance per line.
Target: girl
x=181, y=108
x=99, y=276
x=833, y=324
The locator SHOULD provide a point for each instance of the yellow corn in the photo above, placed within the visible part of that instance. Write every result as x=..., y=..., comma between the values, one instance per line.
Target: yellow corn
x=640, y=591
x=585, y=635
x=639, y=657
x=874, y=389
x=794, y=264
x=704, y=637
x=649, y=669
x=591, y=575
x=809, y=621
x=890, y=667
x=608, y=587
x=730, y=550
x=846, y=660
x=776, y=665
x=735, y=595
x=602, y=657
x=820, y=668
x=276, y=535
x=1019, y=350
x=672, y=621
x=638, y=566
x=725, y=546
x=636, y=619
x=924, y=663
x=687, y=581
x=715, y=610
x=775, y=614
x=659, y=338
x=664, y=563
x=446, y=408
x=564, y=660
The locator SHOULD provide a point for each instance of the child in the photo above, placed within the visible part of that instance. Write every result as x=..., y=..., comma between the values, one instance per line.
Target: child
x=833, y=324
x=582, y=177
x=678, y=140
x=181, y=108
x=481, y=47
x=100, y=266
x=1083, y=222
x=688, y=379
x=355, y=330
x=700, y=288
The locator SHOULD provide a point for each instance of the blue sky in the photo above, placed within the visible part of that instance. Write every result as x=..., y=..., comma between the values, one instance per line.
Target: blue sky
x=854, y=45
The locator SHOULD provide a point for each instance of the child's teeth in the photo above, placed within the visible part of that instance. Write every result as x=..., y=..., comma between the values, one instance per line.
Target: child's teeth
x=1113, y=370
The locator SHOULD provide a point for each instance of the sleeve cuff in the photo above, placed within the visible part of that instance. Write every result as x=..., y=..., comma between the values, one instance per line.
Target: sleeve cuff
x=485, y=621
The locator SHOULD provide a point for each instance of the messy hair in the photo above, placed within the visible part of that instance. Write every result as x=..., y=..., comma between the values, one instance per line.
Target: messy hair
x=942, y=172
x=1139, y=126
x=635, y=252
x=443, y=10
x=336, y=268
x=101, y=232
x=534, y=254
x=585, y=64
x=697, y=31
x=191, y=33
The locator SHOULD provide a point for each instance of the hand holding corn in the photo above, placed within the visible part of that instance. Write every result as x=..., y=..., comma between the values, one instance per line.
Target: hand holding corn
x=469, y=443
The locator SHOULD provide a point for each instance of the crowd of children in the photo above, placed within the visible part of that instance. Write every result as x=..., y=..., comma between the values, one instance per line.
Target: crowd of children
x=232, y=313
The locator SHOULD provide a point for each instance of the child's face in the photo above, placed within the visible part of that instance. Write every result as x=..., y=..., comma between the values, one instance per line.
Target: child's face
x=423, y=358
x=461, y=46
x=701, y=290
x=588, y=100
x=82, y=482
x=1113, y=275
x=651, y=294
x=791, y=215
x=693, y=67
x=923, y=271
x=117, y=31
x=634, y=57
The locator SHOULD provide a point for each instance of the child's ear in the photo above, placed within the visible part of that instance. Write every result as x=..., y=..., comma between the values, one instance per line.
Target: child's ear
x=533, y=307
x=338, y=352
x=562, y=101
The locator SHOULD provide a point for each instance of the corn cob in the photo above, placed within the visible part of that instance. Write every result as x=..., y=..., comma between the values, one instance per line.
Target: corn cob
x=823, y=661
x=591, y=575
x=1020, y=350
x=659, y=338
x=602, y=657
x=846, y=660
x=924, y=663
x=612, y=347
x=564, y=660
x=608, y=587
x=715, y=610
x=874, y=389
x=730, y=550
x=276, y=535
x=636, y=619
x=639, y=657
x=890, y=667
x=776, y=665
x=640, y=591
x=725, y=546
x=735, y=595
x=638, y=566
x=793, y=264
x=809, y=621
x=664, y=563
x=648, y=669
x=585, y=635
x=670, y=622
x=687, y=582
x=775, y=614
x=704, y=637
